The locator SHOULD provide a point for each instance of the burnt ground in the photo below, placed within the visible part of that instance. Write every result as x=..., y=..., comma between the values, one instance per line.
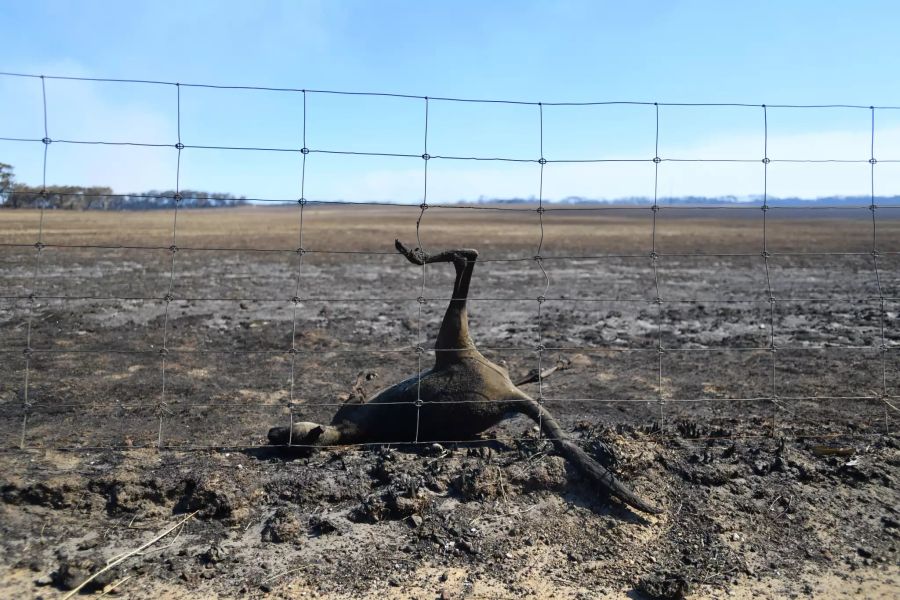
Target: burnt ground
x=792, y=498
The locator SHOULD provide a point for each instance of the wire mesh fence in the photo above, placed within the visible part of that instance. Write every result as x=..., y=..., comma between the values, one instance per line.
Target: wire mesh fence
x=183, y=422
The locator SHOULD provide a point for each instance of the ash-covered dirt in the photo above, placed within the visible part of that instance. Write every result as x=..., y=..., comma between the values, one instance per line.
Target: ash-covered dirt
x=788, y=498
x=483, y=520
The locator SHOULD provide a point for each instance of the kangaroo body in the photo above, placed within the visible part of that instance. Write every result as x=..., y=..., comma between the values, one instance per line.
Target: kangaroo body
x=461, y=396
x=459, y=401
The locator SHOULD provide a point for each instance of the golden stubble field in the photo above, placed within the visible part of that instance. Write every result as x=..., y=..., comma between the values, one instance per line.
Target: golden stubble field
x=610, y=230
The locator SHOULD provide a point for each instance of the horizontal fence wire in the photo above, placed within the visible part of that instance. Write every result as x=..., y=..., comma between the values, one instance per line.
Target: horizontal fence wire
x=412, y=348
x=643, y=207
x=546, y=399
x=653, y=439
x=304, y=150
x=435, y=98
x=293, y=401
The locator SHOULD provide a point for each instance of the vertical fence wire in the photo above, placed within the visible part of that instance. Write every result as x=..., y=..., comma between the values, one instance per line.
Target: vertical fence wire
x=654, y=264
x=766, y=256
x=420, y=301
x=162, y=407
x=539, y=261
x=873, y=208
x=296, y=299
x=35, y=275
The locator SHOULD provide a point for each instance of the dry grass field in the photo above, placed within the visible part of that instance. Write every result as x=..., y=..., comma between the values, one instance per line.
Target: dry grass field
x=792, y=498
x=568, y=230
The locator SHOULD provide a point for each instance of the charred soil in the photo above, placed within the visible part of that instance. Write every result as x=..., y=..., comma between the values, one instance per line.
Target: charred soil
x=761, y=499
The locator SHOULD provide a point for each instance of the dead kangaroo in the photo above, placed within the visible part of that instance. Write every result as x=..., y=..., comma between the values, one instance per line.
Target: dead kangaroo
x=462, y=395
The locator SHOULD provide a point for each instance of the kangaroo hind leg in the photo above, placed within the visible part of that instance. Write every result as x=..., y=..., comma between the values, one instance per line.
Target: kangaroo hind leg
x=453, y=340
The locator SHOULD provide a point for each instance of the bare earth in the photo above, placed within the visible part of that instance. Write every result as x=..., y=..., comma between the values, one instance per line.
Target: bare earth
x=794, y=498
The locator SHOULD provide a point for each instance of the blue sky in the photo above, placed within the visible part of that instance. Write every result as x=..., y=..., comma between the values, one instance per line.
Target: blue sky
x=760, y=52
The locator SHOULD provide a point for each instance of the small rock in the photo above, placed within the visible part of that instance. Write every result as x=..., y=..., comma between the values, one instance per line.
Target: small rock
x=283, y=526
x=416, y=520
x=188, y=576
x=322, y=525
x=213, y=555
x=580, y=360
x=72, y=572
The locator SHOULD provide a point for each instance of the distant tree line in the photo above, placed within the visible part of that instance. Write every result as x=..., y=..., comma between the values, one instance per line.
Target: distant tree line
x=75, y=197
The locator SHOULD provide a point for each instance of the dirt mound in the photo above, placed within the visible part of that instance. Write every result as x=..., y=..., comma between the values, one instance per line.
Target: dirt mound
x=355, y=521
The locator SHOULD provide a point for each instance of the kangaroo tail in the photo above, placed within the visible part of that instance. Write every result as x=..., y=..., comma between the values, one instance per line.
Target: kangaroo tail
x=587, y=465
